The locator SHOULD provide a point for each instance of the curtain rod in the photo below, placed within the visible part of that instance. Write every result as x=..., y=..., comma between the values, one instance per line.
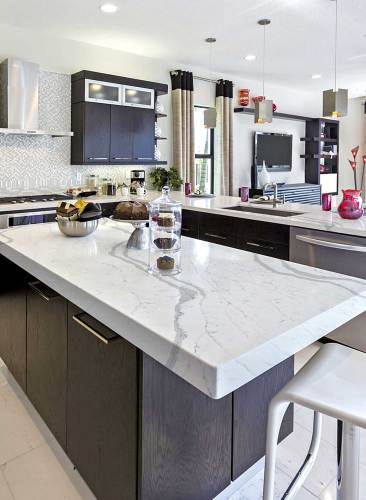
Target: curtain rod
x=203, y=79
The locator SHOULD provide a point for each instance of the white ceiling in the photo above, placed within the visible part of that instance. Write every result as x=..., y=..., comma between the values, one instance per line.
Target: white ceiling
x=300, y=38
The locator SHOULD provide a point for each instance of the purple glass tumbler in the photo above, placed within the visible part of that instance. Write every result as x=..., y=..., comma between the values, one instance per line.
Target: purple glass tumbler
x=326, y=202
x=244, y=193
x=187, y=188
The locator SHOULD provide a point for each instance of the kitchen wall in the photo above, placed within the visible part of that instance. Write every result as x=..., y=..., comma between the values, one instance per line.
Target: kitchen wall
x=352, y=133
x=46, y=160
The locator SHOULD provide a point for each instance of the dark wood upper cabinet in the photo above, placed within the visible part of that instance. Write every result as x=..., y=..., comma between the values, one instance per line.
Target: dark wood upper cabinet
x=102, y=407
x=47, y=356
x=91, y=123
x=111, y=133
x=143, y=133
x=121, y=134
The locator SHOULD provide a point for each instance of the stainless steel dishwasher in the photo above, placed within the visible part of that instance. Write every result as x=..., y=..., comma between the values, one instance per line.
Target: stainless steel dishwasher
x=339, y=253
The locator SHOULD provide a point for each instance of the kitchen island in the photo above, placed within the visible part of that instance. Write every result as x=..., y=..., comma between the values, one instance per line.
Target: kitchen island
x=203, y=352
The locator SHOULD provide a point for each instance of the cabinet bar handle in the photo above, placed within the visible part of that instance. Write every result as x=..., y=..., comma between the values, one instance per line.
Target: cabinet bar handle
x=96, y=158
x=121, y=158
x=91, y=330
x=142, y=158
x=33, y=286
x=331, y=244
x=259, y=245
x=218, y=236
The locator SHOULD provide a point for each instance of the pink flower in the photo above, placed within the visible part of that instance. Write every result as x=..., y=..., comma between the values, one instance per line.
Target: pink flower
x=353, y=164
x=354, y=152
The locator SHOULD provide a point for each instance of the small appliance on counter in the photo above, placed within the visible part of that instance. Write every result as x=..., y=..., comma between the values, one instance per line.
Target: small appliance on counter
x=137, y=180
x=165, y=223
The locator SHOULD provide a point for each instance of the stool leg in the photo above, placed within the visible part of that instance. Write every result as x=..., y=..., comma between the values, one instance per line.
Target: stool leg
x=306, y=467
x=348, y=458
x=276, y=412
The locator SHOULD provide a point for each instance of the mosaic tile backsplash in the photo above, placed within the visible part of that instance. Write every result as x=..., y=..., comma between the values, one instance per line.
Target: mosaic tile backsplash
x=43, y=163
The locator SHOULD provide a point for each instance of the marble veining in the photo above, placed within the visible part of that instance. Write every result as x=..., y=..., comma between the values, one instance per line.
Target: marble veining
x=228, y=317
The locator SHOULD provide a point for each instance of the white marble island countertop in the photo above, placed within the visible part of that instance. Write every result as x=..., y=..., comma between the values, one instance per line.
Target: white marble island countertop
x=228, y=317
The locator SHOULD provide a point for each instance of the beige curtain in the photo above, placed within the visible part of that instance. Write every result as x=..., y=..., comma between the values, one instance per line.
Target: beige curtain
x=183, y=124
x=223, y=174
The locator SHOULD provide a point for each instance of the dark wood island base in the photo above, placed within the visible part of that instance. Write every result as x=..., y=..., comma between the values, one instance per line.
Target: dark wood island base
x=132, y=428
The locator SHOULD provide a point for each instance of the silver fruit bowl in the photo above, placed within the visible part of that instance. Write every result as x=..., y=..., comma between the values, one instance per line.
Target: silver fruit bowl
x=77, y=228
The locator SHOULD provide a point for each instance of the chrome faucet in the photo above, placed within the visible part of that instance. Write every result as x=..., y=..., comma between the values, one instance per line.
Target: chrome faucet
x=275, y=192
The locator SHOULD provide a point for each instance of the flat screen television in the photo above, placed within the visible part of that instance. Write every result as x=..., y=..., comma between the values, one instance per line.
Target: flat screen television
x=274, y=149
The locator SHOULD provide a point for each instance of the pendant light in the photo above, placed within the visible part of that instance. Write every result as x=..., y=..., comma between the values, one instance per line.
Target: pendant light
x=263, y=111
x=335, y=101
x=210, y=115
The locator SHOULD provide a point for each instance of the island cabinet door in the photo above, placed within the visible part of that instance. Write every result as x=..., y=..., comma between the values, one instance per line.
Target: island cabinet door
x=102, y=406
x=47, y=356
x=190, y=223
x=264, y=238
x=185, y=441
x=219, y=229
x=250, y=409
x=13, y=307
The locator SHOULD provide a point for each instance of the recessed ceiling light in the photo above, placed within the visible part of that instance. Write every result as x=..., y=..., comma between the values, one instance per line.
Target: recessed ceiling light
x=108, y=8
x=316, y=77
x=250, y=57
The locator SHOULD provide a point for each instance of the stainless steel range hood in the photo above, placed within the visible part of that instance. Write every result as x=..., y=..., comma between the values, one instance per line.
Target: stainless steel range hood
x=19, y=89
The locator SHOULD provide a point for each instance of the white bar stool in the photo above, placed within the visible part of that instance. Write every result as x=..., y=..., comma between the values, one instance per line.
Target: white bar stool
x=333, y=382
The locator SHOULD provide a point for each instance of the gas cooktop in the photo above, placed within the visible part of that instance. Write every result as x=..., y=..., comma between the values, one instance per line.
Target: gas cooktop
x=33, y=198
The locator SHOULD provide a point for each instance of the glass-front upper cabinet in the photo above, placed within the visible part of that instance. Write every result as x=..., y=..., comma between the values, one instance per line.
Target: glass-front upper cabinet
x=138, y=97
x=103, y=92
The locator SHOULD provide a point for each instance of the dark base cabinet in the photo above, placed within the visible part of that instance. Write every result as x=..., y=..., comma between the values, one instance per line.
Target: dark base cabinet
x=250, y=408
x=102, y=407
x=47, y=356
x=253, y=236
x=185, y=442
x=132, y=428
x=13, y=329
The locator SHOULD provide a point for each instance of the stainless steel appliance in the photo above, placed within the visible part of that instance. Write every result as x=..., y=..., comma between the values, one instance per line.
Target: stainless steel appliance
x=18, y=216
x=137, y=180
x=338, y=253
x=19, y=89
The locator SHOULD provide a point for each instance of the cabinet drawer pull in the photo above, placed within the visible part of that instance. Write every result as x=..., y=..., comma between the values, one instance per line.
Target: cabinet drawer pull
x=142, y=158
x=121, y=158
x=259, y=245
x=96, y=158
x=186, y=229
x=217, y=236
x=91, y=330
x=34, y=286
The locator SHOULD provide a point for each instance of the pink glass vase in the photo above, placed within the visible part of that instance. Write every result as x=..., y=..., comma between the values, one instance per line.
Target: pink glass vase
x=351, y=206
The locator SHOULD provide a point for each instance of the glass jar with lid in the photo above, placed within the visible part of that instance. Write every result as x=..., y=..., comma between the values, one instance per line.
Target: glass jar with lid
x=165, y=222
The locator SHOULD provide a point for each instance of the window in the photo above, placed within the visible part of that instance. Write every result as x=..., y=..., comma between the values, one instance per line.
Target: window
x=204, y=152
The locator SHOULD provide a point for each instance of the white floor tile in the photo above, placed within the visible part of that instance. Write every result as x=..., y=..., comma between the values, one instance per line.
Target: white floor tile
x=254, y=488
x=292, y=452
x=38, y=475
x=18, y=433
x=5, y=493
x=330, y=492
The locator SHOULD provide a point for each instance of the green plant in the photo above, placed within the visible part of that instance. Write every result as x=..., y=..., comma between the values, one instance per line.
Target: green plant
x=161, y=177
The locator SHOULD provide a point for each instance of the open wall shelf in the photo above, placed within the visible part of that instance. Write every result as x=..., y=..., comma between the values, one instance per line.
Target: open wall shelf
x=284, y=116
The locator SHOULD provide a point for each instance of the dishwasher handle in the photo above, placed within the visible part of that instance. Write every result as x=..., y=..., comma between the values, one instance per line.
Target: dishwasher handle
x=331, y=244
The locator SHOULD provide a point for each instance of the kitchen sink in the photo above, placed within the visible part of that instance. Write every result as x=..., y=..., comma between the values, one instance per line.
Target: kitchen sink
x=266, y=211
